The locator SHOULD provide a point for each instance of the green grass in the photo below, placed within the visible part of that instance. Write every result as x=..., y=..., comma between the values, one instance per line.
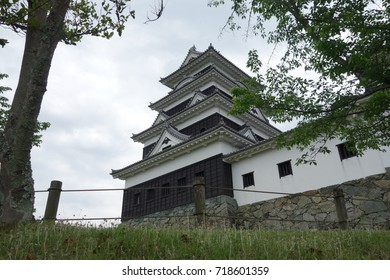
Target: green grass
x=43, y=241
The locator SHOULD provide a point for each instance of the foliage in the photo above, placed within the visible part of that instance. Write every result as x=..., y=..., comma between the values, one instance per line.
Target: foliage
x=344, y=45
x=4, y=109
x=3, y=103
x=96, y=18
x=62, y=242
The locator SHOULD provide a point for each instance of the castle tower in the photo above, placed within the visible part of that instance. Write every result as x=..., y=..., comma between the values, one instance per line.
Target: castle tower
x=191, y=134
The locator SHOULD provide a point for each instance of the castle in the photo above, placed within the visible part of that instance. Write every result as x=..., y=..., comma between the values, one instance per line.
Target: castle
x=194, y=135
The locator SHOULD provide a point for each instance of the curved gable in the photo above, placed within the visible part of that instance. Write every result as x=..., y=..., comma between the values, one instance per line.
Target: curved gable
x=169, y=137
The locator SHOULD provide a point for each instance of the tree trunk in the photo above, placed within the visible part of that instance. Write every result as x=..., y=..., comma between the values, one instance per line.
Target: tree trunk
x=16, y=182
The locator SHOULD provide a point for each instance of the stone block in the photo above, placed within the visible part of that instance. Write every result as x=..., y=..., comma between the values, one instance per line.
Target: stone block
x=310, y=193
x=386, y=196
x=300, y=211
x=258, y=214
x=280, y=202
x=316, y=199
x=375, y=192
x=354, y=190
x=354, y=213
x=331, y=217
x=282, y=215
x=385, y=184
x=372, y=206
x=321, y=217
x=289, y=207
x=327, y=206
x=303, y=201
x=308, y=217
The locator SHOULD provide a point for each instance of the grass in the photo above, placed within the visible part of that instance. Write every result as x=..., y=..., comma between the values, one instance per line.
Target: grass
x=63, y=242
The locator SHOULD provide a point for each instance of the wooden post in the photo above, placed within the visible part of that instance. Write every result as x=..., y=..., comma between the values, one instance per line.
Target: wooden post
x=340, y=208
x=53, y=200
x=200, y=199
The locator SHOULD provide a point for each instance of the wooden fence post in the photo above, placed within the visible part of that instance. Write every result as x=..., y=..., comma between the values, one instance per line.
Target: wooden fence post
x=340, y=208
x=53, y=200
x=200, y=199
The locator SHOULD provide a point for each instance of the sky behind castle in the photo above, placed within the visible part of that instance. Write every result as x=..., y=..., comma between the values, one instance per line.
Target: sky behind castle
x=99, y=91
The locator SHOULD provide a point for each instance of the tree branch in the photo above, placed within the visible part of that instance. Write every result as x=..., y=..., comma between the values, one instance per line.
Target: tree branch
x=157, y=11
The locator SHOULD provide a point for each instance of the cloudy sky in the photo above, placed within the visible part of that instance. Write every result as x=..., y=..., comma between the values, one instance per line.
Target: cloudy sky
x=99, y=91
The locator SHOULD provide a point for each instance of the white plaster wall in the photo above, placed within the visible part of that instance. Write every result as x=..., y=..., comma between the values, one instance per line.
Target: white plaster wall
x=151, y=140
x=328, y=171
x=181, y=161
x=385, y=157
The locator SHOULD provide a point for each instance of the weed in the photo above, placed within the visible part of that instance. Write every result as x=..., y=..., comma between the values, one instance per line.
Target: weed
x=66, y=241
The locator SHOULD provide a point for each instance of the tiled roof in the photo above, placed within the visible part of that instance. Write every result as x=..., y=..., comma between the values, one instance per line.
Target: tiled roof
x=222, y=99
x=207, y=136
x=202, y=56
x=176, y=93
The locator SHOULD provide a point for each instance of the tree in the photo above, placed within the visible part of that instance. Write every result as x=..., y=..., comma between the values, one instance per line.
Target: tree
x=4, y=110
x=3, y=103
x=3, y=100
x=45, y=23
x=346, y=44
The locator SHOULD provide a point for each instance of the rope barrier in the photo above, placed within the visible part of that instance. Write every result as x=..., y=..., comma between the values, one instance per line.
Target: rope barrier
x=357, y=223
x=219, y=188
x=235, y=217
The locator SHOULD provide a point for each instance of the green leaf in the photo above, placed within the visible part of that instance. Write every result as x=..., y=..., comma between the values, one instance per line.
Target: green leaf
x=345, y=44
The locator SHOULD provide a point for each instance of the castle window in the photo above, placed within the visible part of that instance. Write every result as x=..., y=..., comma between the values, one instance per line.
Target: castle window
x=182, y=182
x=248, y=180
x=165, y=190
x=253, y=110
x=199, y=174
x=166, y=140
x=137, y=199
x=285, y=168
x=151, y=194
x=166, y=147
x=345, y=151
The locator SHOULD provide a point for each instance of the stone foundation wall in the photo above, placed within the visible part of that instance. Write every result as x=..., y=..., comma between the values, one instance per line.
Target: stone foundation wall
x=367, y=206
x=366, y=203
x=310, y=210
x=220, y=212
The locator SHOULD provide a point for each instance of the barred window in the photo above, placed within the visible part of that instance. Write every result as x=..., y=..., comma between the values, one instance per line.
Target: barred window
x=285, y=168
x=346, y=151
x=165, y=190
x=182, y=182
x=137, y=199
x=248, y=180
x=151, y=194
x=199, y=174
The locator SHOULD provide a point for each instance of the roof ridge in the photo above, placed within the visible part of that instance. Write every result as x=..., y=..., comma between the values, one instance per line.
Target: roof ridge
x=187, y=59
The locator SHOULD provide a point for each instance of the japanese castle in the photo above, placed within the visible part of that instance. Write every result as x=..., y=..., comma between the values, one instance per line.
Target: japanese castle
x=194, y=135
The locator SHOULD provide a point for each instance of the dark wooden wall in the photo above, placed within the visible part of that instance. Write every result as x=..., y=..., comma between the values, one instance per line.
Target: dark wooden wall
x=167, y=191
